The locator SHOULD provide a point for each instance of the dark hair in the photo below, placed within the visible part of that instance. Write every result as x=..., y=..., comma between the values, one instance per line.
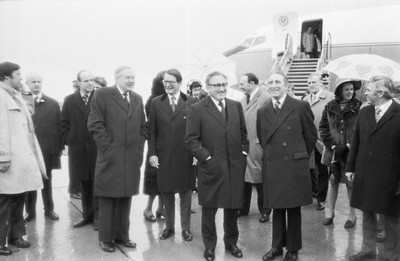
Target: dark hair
x=251, y=77
x=100, y=81
x=7, y=69
x=176, y=74
x=339, y=92
x=157, y=89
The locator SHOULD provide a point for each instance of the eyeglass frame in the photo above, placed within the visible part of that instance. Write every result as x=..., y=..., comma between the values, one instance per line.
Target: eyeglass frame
x=218, y=85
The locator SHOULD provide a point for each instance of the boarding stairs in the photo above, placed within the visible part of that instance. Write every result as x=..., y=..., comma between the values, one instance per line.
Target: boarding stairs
x=298, y=73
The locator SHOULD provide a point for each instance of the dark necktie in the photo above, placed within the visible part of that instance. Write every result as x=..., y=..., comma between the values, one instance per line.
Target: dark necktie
x=125, y=94
x=247, y=98
x=85, y=99
x=173, y=105
x=276, y=107
x=221, y=104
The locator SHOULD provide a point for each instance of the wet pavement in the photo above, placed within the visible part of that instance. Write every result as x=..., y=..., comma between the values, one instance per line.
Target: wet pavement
x=58, y=240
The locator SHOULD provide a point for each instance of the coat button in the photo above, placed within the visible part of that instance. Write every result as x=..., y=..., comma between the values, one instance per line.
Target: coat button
x=286, y=158
x=284, y=144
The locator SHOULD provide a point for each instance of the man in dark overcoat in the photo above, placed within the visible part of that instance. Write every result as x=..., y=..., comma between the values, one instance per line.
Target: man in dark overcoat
x=47, y=122
x=216, y=135
x=374, y=167
x=287, y=134
x=118, y=125
x=81, y=146
x=168, y=152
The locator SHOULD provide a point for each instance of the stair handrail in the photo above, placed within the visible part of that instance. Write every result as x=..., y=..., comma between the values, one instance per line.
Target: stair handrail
x=282, y=63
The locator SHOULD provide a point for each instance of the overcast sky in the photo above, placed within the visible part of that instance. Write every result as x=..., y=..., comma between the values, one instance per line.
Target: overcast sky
x=59, y=38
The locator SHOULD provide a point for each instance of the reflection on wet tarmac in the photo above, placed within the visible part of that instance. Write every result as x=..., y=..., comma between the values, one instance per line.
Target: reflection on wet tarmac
x=57, y=240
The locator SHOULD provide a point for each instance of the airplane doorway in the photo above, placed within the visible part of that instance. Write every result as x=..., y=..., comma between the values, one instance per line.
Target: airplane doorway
x=311, y=38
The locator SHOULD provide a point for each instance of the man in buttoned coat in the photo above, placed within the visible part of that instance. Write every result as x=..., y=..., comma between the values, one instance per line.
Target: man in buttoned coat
x=118, y=125
x=216, y=135
x=169, y=154
x=287, y=135
x=373, y=165
x=318, y=98
x=81, y=146
x=47, y=122
x=255, y=98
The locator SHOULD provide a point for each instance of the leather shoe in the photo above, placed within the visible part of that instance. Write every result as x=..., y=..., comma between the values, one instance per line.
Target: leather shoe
x=234, y=250
x=19, y=242
x=209, y=254
x=350, y=223
x=274, y=252
x=327, y=221
x=264, y=218
x=320, y=206
x=150, y=218
x=81, y=223
x=160, y=215
x=187, y=235
x=76, y=195
x=5, y=251
x=362, y=256
x=107, y=246
x=291, y=256
x=52, y=215
x=96, y=225
x=29, y=217
x=167, y=233
x=126, y=243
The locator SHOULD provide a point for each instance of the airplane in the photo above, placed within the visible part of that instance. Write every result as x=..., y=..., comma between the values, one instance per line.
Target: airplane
x=279, y=45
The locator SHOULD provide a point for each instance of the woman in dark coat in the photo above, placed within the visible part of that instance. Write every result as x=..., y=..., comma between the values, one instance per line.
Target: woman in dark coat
x=150, y=174
x=336, y=129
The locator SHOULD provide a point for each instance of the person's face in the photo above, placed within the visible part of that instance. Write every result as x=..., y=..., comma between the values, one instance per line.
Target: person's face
x=372, y=93
x=196, y=91
x=217, y=87
x=15, y=80
x=126, y=80
x=314, y=84
x=276, y=86
x=86, y=82
x=347, y=91
x=96, y=86
x=171, y=85
x=34, y=84
x=309, y=29
x=245, y=86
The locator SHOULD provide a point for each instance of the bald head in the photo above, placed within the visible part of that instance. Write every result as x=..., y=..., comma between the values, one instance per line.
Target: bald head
x=34, y=82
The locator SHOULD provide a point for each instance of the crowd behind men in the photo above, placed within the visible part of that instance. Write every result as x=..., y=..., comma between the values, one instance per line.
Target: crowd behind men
x=269, y=140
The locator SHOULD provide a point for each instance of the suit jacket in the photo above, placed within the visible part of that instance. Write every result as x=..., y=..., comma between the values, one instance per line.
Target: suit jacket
x=167, y=131
x=287, y=139
x=47, y=122
x=120, y=131
x=374, y=157
x=18, y=145
x=81, y=146
x=254, y=159
x=221, y=178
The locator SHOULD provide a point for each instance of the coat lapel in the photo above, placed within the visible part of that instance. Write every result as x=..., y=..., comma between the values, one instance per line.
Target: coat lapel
x=116, y=95
x=214, y=111
x=181, y=104
x=284, y=112
x=134, y=100
x=79, y=102
x=385, y=117
x=166, y=105
x=253, y=100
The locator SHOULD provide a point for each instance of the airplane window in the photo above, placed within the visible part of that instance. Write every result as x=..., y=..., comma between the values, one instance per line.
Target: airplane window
x=247, y=42
x=260, y=40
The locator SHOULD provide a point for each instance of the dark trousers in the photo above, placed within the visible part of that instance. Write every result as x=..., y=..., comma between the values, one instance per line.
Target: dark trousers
x=90, y=203
x=114, y=218
x=74, y=185
x=247, y=192
x=11, y=216
x=314, y=181
x=209, y=231
x=47, y=197
x=392, y=239
x=323, y=177
x=186, y=205
x=287, y=236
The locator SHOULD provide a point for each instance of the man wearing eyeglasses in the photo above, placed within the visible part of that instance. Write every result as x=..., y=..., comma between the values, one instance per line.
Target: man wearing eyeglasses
x=217, y=137
x=168, y=152
x=287, y=135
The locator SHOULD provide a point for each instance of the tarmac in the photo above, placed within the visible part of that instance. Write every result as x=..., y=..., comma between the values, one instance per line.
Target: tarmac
x=58, y=240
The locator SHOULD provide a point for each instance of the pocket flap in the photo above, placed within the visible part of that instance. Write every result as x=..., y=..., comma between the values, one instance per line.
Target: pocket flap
x=300, y=155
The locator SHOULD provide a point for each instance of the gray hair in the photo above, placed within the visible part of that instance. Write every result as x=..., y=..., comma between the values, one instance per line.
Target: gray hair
x=215, y=73
x=385, y=84
x=117, y=72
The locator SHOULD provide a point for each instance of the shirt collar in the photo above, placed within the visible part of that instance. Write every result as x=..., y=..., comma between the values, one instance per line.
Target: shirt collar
x=82, y=94
x=38, y=96
x=281, y=100
x=176, y=97
x=384, y=107
x=217, y=102
x=317, y=94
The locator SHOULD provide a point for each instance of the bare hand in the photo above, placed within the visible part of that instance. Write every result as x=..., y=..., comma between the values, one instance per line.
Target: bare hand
x=4, y=166
x=154, y=161
x=194, y=161
x=350, y=176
